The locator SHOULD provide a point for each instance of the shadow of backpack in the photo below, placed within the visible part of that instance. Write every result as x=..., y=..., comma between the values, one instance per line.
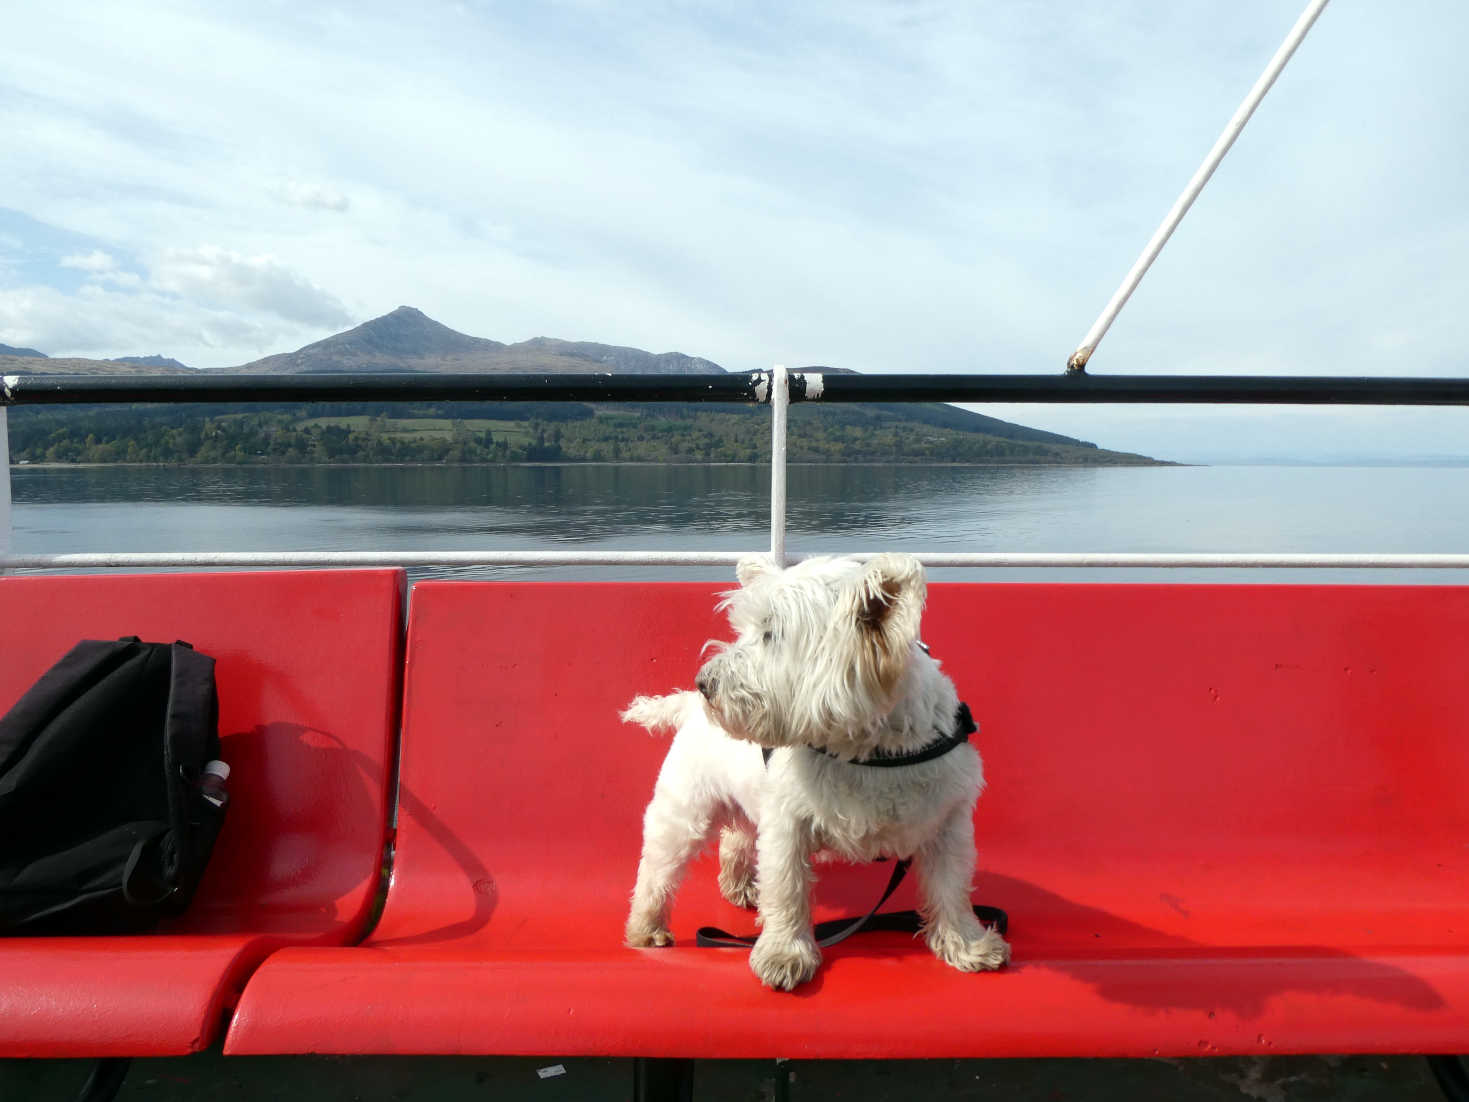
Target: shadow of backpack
x=104, y=825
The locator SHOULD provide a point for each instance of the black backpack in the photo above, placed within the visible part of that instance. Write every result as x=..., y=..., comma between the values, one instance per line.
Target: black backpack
x=105, y=826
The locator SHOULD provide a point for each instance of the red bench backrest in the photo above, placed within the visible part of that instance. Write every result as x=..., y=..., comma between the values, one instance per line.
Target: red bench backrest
x=1208, y=759
x=308, y=667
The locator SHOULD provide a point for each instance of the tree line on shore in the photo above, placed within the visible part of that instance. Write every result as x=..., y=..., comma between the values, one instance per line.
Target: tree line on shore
x=501, y=433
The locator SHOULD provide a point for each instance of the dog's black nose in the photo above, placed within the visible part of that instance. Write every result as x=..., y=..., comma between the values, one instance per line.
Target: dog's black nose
x=706, y=684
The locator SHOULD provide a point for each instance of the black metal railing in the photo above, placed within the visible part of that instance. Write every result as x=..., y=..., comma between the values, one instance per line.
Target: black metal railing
x=805, y=386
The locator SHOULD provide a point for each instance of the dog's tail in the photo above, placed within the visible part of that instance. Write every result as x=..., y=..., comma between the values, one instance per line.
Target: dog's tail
x=661, y=713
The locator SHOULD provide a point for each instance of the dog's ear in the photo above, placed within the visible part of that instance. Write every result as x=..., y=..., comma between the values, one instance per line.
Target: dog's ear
x=888, y=606
x=751, y=567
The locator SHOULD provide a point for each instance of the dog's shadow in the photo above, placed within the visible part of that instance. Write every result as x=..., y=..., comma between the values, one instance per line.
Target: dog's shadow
x=1256, y=973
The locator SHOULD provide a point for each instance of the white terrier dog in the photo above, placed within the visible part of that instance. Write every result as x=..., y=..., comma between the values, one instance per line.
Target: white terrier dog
x=827, y=673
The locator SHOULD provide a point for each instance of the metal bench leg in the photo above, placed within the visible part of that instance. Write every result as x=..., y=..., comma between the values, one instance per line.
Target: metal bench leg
x=105, y=1081
x=1452, y=1073
x=665, y=1080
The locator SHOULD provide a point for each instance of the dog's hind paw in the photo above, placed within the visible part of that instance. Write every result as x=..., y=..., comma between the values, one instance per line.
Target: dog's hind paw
x=985, y=953
x=785, y=963
x=741, y=893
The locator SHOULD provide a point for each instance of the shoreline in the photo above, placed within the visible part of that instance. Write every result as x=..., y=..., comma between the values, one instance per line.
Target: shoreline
x=587, y=463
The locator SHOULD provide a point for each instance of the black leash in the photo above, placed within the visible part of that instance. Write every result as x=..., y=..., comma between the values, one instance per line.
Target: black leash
x=839, y=929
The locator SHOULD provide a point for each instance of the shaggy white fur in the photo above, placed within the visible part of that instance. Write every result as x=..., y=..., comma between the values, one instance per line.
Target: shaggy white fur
x=826, y=659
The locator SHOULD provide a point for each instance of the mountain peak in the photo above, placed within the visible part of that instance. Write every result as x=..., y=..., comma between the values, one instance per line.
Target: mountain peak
x=405, y=339
x=407, y=331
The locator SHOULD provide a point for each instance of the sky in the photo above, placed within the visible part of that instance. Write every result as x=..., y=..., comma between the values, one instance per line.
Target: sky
x=883, y=186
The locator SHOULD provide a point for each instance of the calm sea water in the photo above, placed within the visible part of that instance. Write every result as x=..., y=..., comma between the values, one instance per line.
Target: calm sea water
x=832, y=508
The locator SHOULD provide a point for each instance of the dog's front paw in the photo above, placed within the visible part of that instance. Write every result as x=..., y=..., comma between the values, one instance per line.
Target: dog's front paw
x=783, y=963
x=640, y=935
x=983, y=952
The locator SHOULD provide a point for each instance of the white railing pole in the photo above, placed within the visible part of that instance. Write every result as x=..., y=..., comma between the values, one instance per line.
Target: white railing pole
x=1099, y=328
x=4, y=489
x=780, y=400
x=1188, y=560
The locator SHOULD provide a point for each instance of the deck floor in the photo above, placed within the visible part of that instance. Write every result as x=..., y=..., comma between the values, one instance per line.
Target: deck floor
x=446, y=1079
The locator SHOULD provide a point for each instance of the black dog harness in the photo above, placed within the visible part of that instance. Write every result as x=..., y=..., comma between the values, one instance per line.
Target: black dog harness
x=964, y=726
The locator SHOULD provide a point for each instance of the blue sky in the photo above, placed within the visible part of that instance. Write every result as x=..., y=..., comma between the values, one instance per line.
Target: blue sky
x=881, y=186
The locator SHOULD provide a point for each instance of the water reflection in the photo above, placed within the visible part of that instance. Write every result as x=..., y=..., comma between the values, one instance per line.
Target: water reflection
x=567, y=503
x=726, y=508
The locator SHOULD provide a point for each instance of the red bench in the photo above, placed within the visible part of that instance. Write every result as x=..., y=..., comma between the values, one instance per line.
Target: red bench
x=1223, y=819
x=309, y=670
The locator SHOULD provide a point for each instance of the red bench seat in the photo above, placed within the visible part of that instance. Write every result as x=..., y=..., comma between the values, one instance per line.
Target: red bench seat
x=308, y=667
x=1223, y=819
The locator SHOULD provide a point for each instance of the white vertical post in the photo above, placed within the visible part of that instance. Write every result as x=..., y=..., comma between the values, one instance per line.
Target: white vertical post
x=4, y=487
x=780, y=400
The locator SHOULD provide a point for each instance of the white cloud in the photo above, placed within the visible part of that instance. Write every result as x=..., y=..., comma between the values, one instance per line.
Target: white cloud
x=101, y=322
x=222, y=278
x=313, y=196
x=102, y=267
x=95, y=322
x=95, y=262
x=121, y=279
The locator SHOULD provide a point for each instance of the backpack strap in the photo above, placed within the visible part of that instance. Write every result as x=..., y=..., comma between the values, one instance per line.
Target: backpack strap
x=193, y=716
x=130, y=869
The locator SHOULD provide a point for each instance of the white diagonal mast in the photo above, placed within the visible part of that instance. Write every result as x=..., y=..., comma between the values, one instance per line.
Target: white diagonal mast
x=1099, y=328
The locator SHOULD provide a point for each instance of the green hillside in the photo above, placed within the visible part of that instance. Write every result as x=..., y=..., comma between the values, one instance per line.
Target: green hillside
x=508, y=433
